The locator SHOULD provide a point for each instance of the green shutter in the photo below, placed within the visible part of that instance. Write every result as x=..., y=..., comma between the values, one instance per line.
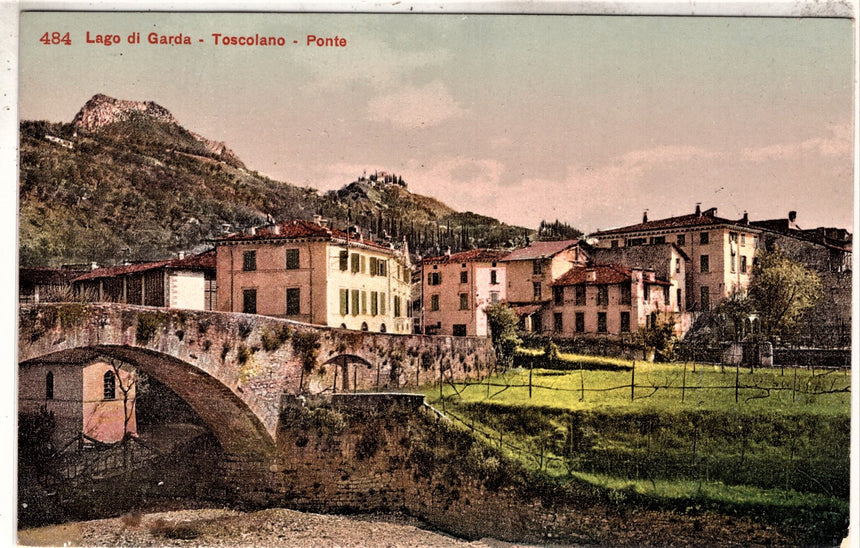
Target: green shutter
x=344, y=260
x=344, y=302
x=355, y=302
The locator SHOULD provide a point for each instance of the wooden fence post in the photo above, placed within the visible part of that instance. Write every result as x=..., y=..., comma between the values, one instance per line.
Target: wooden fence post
x=633, y=381
x=684, y=383
x=737, y=380
x=794, y=386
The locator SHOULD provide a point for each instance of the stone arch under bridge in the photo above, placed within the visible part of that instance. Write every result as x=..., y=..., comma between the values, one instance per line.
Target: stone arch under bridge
x=234, y=369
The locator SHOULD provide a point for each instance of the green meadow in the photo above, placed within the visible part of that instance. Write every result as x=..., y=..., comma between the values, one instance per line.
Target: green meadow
x=774, y=443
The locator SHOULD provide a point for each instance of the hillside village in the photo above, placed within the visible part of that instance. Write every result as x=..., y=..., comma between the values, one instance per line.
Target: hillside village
x=608, y=284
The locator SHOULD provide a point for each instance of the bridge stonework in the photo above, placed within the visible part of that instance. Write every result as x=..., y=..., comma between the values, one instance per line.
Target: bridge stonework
x=234, y=369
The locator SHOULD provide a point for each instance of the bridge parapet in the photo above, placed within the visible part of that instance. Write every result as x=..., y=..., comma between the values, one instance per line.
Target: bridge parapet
x=252, y=360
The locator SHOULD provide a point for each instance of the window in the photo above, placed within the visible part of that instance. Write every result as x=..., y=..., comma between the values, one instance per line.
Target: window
x=382, y=265
x=625, y=322
x=292, y=259
x=536, y=288
x=665, y=295
x=109, y=386
x=494, y=297
x=579, y=295
x=354, y=263
x=558, y=295
x=557, y=322
x=374, y=303
x=459, y=329
x=743, y=239
x=355, y=302
x=464, y=301
x=249, y=301
x=658, y=240
x=678, y=304
x=732, y=267
x=249, y=261
x=210, y=293
x=677, y=266
x=580, y=322
x=434, y=303
x=344, y=302
x=733, y=237
x=646, y=293
x=397, y=306
x=49, y=386
x=704, y=238
x=374, y=266
x=625, y=294
x=704, y=264
x=632, y=242
x=601, y=322
x=364, y=326
x=682, y=240
x=464, y=276
x=434, y=278
x=537, y=267
x=613, y=244
x=494, y=280
x=343, y=260
x=602, y=295
x=382, y=303
x=364, y=302
x=705, y=297
x=743, y=264
x=293, y=300
x=537, y=323
x=382, y=328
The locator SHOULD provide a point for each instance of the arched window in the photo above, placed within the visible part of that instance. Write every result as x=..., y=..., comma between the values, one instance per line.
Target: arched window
x=382, y=328
x=49, y=386
x=109, y=385
x=343, y=326
x=364, y=326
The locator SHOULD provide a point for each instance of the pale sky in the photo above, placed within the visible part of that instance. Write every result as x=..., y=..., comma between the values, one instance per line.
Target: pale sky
x=589, y=120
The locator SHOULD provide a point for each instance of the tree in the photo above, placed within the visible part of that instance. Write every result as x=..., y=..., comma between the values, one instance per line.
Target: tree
x=736, y=308
x=503, y=323
x=782, y=290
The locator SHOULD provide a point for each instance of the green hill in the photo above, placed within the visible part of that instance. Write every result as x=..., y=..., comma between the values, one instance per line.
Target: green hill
x=125, y=181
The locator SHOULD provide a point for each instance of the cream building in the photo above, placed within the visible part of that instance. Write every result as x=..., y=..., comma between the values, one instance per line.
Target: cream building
x=457, y=288
x=311, y=273
x=720, y=251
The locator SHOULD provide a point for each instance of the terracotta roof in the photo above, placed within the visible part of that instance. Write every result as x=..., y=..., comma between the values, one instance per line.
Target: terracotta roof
x=525, y=310
x=605, y=274
x=706, y=218
x=47, y=276
x=470, y=256
x=539, y=250
x=296, y=229
x=201, y=261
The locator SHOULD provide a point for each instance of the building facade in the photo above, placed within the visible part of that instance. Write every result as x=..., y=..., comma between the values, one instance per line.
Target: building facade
x=186, y=282
x=314, y=274
x=95, y=399
x=720, y=251
x=530, y=274
x=457, y=289
x=609, y=300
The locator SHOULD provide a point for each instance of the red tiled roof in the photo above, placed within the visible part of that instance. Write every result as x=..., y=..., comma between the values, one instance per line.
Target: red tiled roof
x=605, y=274
x=201, y=261
x=47, y=276
x=295, y=229
x=706, y=218
x=538, y=250
x=470, y=256
x=525, y=310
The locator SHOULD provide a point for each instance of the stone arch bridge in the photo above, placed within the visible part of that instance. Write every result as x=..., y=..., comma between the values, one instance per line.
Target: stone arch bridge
x=234, y=369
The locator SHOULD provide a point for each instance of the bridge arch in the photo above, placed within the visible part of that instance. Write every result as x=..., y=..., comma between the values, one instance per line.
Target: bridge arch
x=234, y=424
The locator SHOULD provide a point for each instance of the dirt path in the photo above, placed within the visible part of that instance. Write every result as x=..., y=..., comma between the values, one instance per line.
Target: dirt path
x=220, y=527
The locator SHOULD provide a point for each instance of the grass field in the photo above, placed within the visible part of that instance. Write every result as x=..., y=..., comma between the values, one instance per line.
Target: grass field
x=770, y=442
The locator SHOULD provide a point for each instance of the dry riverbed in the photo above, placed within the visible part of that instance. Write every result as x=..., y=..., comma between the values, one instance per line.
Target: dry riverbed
x=223, y=527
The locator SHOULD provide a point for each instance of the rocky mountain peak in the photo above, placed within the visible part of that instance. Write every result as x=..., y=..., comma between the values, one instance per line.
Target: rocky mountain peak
x=101, y=111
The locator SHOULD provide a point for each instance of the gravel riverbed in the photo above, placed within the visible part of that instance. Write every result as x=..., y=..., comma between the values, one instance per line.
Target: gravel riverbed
x=224, y=527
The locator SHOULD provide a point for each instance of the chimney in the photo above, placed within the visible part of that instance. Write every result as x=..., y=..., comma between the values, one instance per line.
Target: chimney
x=181, y=255
x=645, y=216
x=276, y=230
x=591, y=275
x=699, y=209
x=94, y=265
x=792, y=216
x=746, y=218
x=252, y=231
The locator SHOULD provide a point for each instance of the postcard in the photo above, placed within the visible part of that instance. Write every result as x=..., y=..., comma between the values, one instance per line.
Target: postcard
x=399, y=278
